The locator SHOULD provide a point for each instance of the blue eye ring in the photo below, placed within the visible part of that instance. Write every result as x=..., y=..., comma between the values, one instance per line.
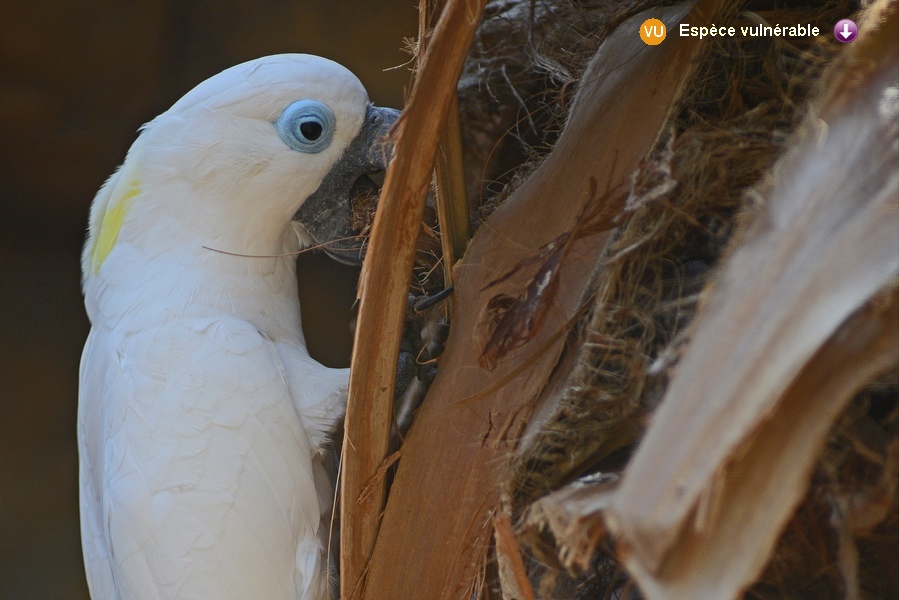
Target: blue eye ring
x=306, y=126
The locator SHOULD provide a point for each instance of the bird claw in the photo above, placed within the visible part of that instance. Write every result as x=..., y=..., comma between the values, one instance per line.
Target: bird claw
x=419, y=305
x=406, y=371
x=411, y=352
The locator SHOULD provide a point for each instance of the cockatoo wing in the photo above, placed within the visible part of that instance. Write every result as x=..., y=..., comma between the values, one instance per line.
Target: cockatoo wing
x=204, y=457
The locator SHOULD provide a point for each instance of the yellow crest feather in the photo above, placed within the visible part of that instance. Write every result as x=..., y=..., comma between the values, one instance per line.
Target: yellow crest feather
x=111, y=225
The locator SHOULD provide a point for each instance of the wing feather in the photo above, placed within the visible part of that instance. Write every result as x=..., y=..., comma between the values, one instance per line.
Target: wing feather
x=196, y=474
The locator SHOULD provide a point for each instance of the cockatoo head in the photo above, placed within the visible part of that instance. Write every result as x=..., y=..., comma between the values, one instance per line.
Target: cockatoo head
x=262, y=152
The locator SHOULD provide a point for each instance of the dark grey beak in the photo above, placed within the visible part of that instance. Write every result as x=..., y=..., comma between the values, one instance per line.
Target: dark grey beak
x=328, y=213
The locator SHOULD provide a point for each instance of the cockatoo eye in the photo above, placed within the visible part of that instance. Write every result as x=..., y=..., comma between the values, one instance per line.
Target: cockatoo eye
x=306, y=126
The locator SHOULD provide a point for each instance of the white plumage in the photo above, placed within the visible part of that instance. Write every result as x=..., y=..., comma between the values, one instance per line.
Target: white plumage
x=200, y=410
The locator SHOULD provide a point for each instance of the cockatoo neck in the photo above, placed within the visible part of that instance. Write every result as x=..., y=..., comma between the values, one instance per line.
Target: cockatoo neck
x=174, y=258
x=195, y=283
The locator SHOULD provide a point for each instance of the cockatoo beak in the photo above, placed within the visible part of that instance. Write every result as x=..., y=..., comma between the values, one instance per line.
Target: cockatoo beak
x=327, y=214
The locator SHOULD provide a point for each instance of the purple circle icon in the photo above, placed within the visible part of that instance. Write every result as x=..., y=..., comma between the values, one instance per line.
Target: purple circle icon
x=845, y=30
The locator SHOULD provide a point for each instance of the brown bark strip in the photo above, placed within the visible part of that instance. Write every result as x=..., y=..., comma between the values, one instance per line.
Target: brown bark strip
x=384, y=283
x=452, y=201
x=513, y=575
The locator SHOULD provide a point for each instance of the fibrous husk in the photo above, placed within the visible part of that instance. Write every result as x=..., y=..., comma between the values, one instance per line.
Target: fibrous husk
x=507, y=476
x=518, y=83
x=686, y=202
x=438, y=520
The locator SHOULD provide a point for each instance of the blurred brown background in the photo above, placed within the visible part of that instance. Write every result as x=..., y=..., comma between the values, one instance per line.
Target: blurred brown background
x=76, y=81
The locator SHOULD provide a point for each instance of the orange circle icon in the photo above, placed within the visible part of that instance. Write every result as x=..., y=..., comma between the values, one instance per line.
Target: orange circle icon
x=652, y=31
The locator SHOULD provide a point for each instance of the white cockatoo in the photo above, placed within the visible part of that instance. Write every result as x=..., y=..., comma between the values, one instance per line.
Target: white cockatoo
x=200, y=410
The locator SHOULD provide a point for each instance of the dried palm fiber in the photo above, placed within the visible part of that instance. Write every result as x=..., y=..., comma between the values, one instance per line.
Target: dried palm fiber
x=518, y=80
x=767, y=82
x=748, y=96
x=728, y=132
x=457, y=451
x=520, y=74
x=804, y=312
x=518, y=77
